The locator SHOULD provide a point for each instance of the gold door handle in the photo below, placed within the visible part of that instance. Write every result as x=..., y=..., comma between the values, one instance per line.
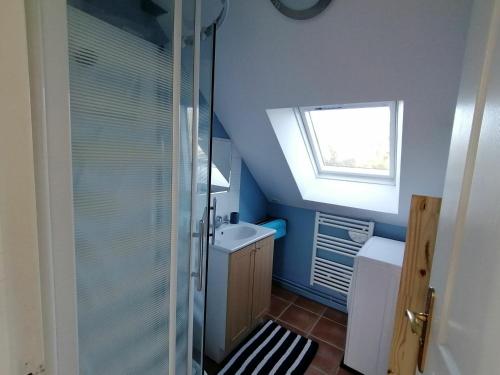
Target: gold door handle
x=420, y=325
x=417, y=321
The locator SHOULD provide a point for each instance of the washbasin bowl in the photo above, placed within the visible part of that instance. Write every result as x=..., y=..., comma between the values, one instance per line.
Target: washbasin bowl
x=232, y=237
x=237, y=232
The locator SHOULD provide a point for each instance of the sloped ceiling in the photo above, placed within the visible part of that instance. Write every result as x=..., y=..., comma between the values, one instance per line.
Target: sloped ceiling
x=356, y=51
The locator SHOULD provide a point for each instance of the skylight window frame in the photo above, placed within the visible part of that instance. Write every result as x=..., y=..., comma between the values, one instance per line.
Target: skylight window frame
x=341, y=173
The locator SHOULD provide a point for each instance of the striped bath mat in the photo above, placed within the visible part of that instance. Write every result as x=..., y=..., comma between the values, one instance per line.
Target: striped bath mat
x=271, y=349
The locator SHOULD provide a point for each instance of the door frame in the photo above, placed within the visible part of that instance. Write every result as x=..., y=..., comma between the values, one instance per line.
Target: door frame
x=47, y=34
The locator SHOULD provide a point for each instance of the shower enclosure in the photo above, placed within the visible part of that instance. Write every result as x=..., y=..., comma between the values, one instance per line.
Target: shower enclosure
x=122, y=126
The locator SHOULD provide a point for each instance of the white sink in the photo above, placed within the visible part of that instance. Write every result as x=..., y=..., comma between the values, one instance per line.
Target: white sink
x=236, y=232
x=232, y=237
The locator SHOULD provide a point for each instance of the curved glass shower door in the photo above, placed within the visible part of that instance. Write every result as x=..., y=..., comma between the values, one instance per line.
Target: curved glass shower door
x=200, y=198
x=131, y=134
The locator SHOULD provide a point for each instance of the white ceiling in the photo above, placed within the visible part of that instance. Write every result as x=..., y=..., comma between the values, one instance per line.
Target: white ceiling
x=356, y=51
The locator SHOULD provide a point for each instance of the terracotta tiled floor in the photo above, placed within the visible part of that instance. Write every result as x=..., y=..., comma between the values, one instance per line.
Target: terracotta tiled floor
x=310, y=319
x=324, y=325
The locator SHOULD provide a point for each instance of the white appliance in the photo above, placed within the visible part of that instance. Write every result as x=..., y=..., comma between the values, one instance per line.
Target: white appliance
x=371, y=305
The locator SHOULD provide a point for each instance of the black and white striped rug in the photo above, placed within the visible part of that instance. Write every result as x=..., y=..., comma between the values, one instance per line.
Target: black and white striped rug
x=271, y=349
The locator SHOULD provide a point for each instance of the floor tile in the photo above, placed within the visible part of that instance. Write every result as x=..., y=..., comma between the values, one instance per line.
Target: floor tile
x=331, y=332
x=308, y=318
x=268, y=317
x=299, y=318
x=283, y=293
x=313, y=371
x=292, y=328
x=312, y=306
x=336, y=316
x=343, y=371
x=278, y=305
x=211, y=368
x=327, y=357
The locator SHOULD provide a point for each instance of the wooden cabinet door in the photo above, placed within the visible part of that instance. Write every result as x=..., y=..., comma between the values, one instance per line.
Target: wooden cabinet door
x=262, y=281
x=239, y=303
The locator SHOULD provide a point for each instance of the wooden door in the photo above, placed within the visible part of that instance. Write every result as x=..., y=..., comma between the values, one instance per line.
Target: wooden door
x=239, y=303
x=262, y=281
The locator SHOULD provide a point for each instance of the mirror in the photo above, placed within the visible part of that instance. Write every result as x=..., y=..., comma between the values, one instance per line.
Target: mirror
x=221, y=165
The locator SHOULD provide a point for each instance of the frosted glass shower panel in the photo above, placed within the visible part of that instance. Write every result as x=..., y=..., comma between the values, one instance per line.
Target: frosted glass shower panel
x=121, y=125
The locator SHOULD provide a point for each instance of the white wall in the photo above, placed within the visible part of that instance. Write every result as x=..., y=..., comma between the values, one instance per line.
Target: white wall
x=21, y=349
x=356, y=51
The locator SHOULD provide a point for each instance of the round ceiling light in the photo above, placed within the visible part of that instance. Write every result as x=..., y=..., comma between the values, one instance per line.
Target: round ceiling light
x=301, y=9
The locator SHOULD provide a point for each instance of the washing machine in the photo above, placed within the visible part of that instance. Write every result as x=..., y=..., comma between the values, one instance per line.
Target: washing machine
x=371, y=305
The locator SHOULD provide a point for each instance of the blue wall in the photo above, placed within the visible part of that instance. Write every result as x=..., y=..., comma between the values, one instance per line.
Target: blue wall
x=292, y=254
x=218, y=130
x=253, y=203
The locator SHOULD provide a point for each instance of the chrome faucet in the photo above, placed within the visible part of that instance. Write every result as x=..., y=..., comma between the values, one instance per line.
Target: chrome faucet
x=218, y=221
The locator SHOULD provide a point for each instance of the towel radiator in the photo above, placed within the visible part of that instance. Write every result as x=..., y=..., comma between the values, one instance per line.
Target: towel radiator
x=337, y=240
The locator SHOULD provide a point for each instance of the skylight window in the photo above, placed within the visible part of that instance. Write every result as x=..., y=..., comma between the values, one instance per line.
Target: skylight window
x=345, y=155
x=353, y=142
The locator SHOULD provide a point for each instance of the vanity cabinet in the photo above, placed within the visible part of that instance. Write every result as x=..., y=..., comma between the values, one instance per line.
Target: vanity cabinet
x=238, y=295
x=262, y=279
